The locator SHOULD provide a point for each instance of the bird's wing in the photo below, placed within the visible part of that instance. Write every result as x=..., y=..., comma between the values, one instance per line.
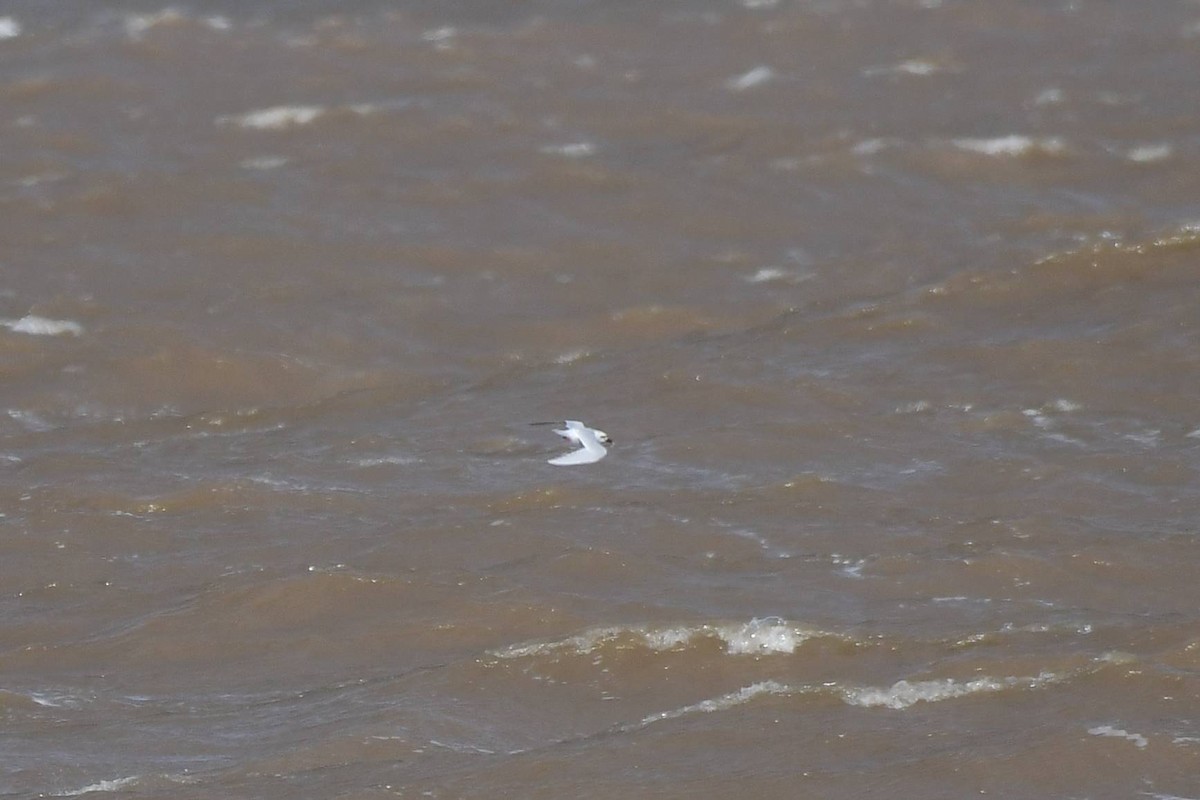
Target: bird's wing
x=570, y=433
x=585, y=455
x=575, y=431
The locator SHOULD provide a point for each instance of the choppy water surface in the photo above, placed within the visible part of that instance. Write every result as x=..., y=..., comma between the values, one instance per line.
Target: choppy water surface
x=891, y=308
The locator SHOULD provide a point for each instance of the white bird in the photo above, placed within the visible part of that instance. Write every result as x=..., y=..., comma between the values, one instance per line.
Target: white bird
x=590, y=440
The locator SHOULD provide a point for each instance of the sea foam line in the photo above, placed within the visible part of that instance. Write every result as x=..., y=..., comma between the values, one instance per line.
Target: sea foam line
x=274, y=118
x=278, y=118
x=1139, y=741
x=902, y=694
x=1012, y=145
x=101, y=786
x=899, y=696
x=34, y=325
x=756, y=637
x=721, y=703
x=137, y=25
x=755, y=77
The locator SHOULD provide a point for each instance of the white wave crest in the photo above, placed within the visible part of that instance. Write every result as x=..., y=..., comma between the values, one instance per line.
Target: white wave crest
x=275, y=118
x=737, y=698
x=137, y=25
x=9, y=28
x=278, y=118
x=380, y=461
x=262, y=162
x=756, y=637
x=569, y=150
x=1013, y=145
x=1139, y=741
x=41, y=326
x=755, y=77
x=915, y=66
x=1146, y=153
x=761, y=636
x=102, y=786
x=903, y=694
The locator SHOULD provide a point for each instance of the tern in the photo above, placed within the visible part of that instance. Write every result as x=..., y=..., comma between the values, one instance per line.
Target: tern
x=590, y=440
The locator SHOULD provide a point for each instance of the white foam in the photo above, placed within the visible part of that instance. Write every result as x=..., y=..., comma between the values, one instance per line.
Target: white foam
x=367, y=109
x=461, y=747
x=756, y=637
x=1013, y=145
x=869, y=147
x=581, y=644
x=9, y=28
x=31, y=420
x=50, y=176
x=278, y=118
x=136, y=25
x=572, y=150
x=1138, y=740
x=1148, y=438
x=1051, y=95
x=386, y=460
x=1037, y=417
x=915, y=407
x=41, y=326
x=778, y=274
x=902, y=694
x=54, y=701
x=768, y=274
x=662, y=639
x=760, y=637
x=915, y=66
x=274, y=118
x=102, y=786
x=1146, y=153
x=721, y=703
x=440, y=35
x=263, y=162
x=755, y=77
x=571, y=356
x=850, y=567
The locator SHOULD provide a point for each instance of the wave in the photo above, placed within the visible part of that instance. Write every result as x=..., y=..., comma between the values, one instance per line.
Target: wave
x=902, y=694
x=756, y=637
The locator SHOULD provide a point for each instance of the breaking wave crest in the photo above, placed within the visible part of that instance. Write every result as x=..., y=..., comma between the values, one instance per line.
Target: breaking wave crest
x=903, y=694
x=756, y=637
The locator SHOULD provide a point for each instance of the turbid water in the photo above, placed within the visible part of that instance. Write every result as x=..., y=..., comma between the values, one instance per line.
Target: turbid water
x=891, y=308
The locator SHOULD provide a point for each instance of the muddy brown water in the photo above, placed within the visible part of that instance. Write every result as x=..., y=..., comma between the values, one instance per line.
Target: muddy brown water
x=892, y=308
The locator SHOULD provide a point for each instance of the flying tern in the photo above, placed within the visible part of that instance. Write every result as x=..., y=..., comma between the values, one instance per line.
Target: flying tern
x=590, y=440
